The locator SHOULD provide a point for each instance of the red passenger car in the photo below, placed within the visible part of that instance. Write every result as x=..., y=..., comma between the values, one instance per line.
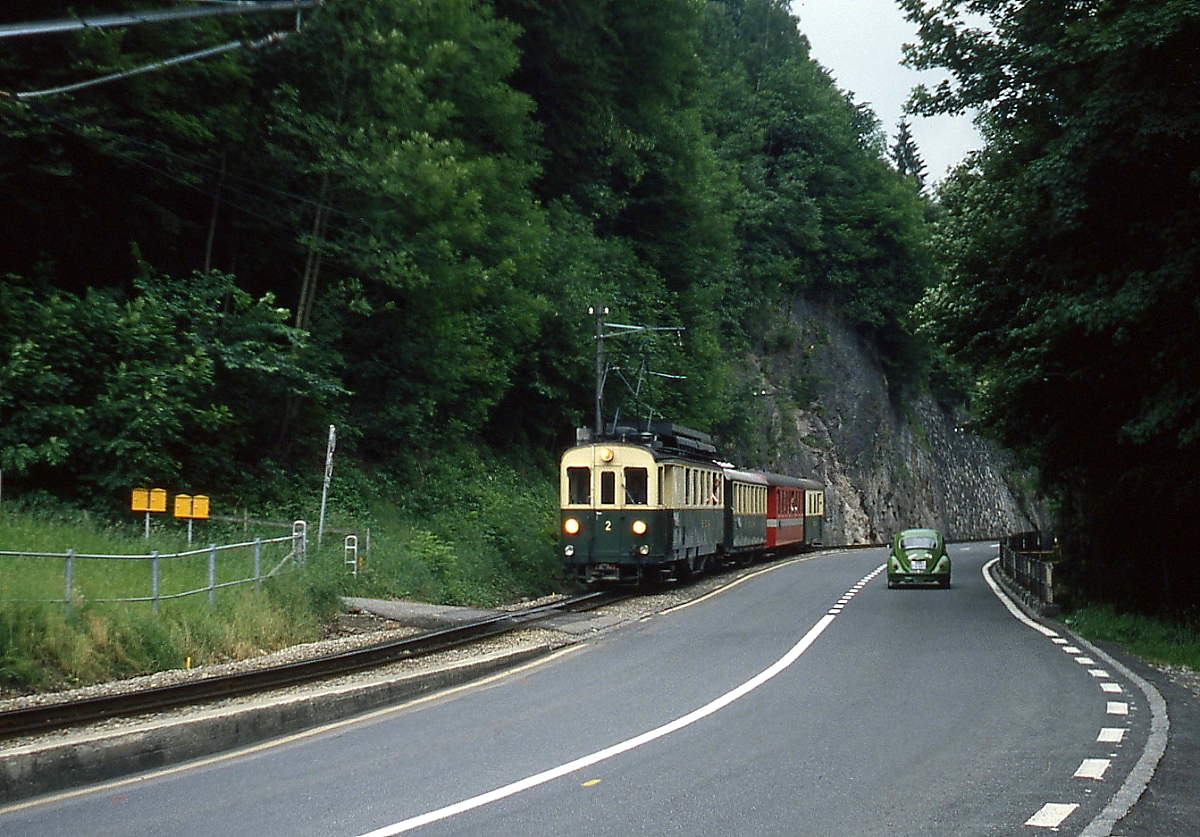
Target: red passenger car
x=795, y=509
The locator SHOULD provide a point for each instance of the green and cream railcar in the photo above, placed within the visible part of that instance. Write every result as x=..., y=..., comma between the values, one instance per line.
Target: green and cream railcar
x=745, y=512
x=630, y=513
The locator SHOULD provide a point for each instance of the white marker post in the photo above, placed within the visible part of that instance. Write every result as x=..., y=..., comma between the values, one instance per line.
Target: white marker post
x=328, y=477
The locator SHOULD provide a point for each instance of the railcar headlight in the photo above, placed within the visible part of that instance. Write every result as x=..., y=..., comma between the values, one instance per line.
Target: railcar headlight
x=606, y=454
x=639, y=527
x=571, y=526
x=569, y=551
x=644, y=549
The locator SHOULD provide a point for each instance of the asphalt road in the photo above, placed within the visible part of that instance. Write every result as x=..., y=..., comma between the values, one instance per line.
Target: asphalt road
x=805, y=700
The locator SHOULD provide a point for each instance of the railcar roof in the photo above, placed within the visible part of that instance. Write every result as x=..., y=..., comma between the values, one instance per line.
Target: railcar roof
x=660, y=455
x=746, y=476
x=792, y=482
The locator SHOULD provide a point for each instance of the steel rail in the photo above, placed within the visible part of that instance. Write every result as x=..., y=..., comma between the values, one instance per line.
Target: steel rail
x=64, y=714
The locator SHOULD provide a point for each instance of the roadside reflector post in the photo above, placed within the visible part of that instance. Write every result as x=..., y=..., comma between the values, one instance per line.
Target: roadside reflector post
x=69, y=578
x=258, y=563
x=154, y=579
x=299, y=541
x=212, y=573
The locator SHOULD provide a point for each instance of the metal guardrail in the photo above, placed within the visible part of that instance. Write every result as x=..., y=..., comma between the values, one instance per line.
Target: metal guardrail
x=1028, y=558
x=298, y=540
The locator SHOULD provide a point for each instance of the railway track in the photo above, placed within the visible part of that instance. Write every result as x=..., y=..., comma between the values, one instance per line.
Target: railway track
x=61, y=715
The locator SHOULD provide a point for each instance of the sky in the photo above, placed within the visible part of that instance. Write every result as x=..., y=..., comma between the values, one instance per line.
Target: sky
x=858, y=42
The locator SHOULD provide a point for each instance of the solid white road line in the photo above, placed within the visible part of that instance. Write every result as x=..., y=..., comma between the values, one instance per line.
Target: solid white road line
x=617, y=749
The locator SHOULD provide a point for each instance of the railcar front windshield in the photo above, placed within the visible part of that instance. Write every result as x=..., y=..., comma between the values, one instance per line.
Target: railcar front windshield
x=608, y=488
x=918, y=542
x=579, y=486
x=637, y=486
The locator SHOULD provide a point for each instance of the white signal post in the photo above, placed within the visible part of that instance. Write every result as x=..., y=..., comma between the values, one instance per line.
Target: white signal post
x=328, y=478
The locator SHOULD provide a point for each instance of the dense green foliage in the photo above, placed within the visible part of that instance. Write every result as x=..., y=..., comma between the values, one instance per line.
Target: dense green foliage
x=395, y=221
x=1074, y=290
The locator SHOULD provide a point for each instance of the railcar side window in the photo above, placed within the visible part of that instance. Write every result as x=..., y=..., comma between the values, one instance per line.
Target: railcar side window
x=608, y=488
x=579, y=485
x=637, y=484
x=816, y=503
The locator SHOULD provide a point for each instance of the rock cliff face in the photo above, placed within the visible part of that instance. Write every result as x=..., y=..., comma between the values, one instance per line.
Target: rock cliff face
x=887, y=465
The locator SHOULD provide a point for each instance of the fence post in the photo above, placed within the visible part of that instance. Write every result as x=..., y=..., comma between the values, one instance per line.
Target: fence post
x=69, y=575
x=212, y=573
x=258, y=563
x=154, y=579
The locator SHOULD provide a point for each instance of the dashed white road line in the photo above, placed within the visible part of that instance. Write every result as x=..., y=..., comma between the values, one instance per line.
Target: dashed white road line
x=1052, y=814
x=1093, y=768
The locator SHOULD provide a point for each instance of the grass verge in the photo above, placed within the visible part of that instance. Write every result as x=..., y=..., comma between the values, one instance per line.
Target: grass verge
x=468, y=529
x=1171, y=643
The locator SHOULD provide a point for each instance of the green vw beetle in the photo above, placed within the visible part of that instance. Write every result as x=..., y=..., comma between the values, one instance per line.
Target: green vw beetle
x=918, y=556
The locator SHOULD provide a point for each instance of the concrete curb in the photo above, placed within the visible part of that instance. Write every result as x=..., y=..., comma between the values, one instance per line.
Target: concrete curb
x=88, y=757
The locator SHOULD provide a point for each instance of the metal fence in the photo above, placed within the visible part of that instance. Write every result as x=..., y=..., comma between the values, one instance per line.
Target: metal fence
x=1028, y=558
x=244, y=561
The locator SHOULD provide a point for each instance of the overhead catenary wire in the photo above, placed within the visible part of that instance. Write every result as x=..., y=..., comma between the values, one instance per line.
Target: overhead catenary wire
x=273, y=38
x=230, y=7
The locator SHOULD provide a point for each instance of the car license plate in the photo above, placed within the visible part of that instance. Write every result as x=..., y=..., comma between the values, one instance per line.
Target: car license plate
x=917, y=566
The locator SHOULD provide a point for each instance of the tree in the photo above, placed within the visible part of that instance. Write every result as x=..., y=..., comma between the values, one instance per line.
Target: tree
x=1074, y=292
x=906, y=156
x=98, y=395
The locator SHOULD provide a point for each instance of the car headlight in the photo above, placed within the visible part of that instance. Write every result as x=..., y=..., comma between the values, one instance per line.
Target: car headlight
x=571, y=526
x=639, y=527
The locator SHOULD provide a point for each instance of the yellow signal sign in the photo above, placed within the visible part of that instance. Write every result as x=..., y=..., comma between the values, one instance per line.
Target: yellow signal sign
x=149, y=500
x=193, y=508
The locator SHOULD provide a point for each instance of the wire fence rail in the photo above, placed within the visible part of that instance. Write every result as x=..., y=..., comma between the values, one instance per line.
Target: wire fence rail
x=92, y=577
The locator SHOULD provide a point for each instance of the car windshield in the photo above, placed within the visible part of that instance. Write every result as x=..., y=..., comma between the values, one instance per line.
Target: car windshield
x=918, y=542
